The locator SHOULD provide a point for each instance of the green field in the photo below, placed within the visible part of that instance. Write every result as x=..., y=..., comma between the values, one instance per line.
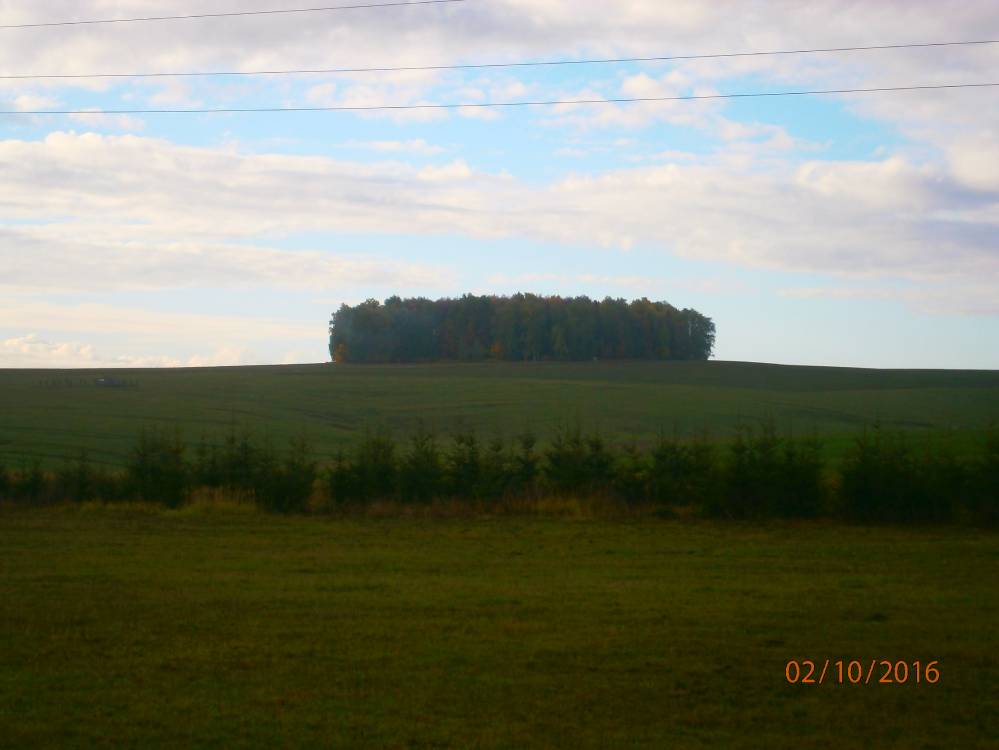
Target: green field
x=129, y=628
x=52, y=414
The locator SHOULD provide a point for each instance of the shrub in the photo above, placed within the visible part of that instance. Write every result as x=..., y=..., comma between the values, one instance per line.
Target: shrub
x=285, y=486
x=240, y=463
x=371, y=474
x=340, y=480
x=631, y=476
x=156, y=469
x=884, y=480
x=77, y=481
x=983, y=485
x=574, y=463
x=30, y=482
x=498, y=471
x=464, y=465
x=375, y=465
x=109, y=486
x=208, y=464
x=80, y=480
x=752, y=474
x=877, y=481
x=800, y=491
x=422, y=473
x=598, y=466
x=940, y=485
x=767, y=476
x=524, y=464
x=683, y=473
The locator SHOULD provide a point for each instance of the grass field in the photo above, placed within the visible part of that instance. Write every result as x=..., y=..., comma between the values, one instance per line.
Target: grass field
x=52, y=414
x=129, y=628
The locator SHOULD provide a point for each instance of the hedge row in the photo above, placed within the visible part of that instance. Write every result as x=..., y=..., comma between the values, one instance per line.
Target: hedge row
x=759, y=475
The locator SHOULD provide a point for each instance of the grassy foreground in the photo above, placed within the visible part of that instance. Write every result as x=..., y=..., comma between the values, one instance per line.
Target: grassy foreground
x=51, y=414
x=143, y=628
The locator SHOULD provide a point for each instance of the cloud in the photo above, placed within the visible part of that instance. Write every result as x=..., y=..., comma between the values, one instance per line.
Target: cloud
x=456, y=170
x=322, y=94
x=413, y=146
x=40, y=332
x=602, y=113
x=70, y=257
x=26, y=312
x=523, y=30
x=365, y=97
x=219, y=192
x=32, y=102
x=649, y=286
x=174, y=93
x=829, y=217
x=32, y=351
x=225, y=356
x=519, y=30
x=180, y=216
x=972, y=298
x=975, y=160
x=105, y=121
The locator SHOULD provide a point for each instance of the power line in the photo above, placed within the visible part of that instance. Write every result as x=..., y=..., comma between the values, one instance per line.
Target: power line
x=480, y=105
x=468, y=66
x=194, y=16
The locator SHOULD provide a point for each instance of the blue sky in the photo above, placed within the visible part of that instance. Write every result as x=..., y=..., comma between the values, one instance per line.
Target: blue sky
x=856, y=230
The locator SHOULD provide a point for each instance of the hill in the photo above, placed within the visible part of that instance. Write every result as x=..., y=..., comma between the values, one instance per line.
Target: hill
x=51, y=414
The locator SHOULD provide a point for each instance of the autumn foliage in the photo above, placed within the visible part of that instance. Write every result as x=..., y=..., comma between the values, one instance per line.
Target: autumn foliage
x=517, y=328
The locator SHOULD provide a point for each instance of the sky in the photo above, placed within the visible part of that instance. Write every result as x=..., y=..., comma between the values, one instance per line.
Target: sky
x=848, y=230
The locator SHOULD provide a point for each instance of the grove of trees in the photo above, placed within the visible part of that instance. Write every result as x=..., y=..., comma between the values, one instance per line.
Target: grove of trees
x=517, y=328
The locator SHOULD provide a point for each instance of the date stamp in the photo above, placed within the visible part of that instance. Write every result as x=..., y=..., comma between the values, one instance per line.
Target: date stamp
x=856, y=672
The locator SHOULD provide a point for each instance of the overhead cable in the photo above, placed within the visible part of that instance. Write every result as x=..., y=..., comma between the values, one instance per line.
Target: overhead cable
x=198, y=16
x=482, y=105
x=471, y=66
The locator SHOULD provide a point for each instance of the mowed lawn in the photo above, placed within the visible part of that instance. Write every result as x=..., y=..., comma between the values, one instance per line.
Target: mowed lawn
x=50, y=415
x=172, y=629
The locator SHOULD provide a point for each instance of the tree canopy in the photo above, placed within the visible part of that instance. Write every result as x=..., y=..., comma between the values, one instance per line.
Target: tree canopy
x=517, y=328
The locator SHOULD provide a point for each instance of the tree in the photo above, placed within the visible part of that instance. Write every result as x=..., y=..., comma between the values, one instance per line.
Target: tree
x=521, y=327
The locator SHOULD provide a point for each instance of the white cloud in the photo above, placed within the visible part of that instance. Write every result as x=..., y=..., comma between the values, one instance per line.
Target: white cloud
x=648, y=286
x=34, y=103
x=413, y=146
x=25, y=312
x=971, y=298
x=184, y=191
x=179, y=216
x=92, y=258
x=107, y=121
x=456, y=170
x=32, y=351
x=975, y=160
x=225, y=356
x=366, y=97
x=519, y=30
x=322, y=94
x=174, y=93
